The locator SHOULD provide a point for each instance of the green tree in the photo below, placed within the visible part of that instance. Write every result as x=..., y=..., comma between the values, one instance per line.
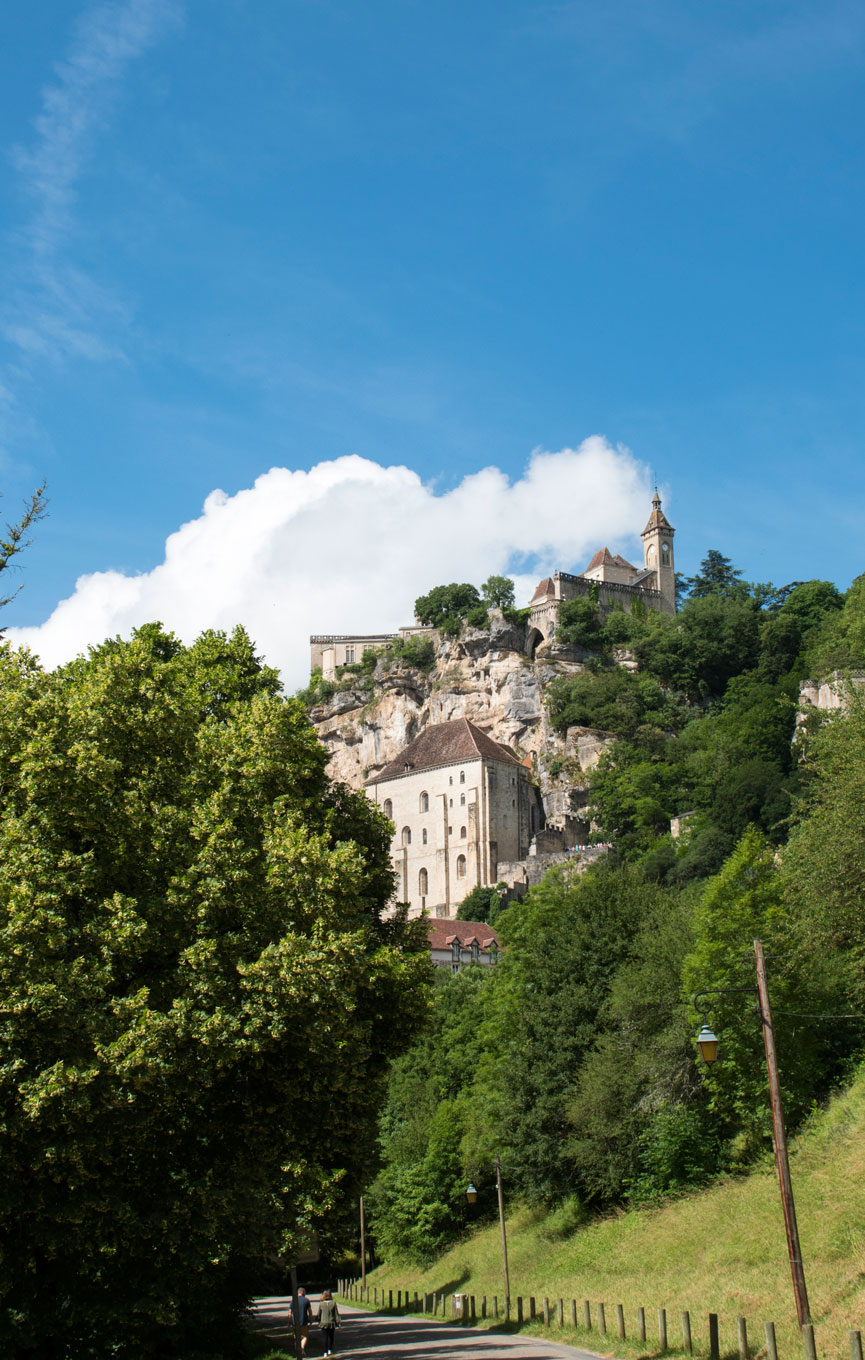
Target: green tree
x=198, y=989
x=497, y=592
x=15, y=539
x=717, y=576
x=444, y=606
x=823, y=869
x=479, y=904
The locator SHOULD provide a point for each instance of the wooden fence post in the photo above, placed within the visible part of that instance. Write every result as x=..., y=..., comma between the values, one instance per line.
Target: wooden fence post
x=855, y=1346
x=483, y=1306
x=472, y=1312
x=561, y=1312
x=587, y=1315
x=687, y=1343
x=620, y=1316
x=602, y=1319
x=742, y=1331
x=496, y=1307
x=771, y=1343
x=546, y=1312
x=662, y=1329
x=531, y=1308
x=714, y=1350
x=641, y=1325
x=808, y=1341
x=519, y=1310
x=574, y=1313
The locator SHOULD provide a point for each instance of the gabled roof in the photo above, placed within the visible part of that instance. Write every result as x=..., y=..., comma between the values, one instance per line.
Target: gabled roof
x=443, y=933
x=657, y=519
x=602, y=558
x=444, y=744
x=544, y=588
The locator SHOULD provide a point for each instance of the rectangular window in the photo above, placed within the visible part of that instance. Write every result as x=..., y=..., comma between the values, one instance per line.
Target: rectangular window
x=349, y=656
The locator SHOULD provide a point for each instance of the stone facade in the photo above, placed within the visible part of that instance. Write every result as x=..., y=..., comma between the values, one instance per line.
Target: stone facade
x=328, y=651
x=459, y=802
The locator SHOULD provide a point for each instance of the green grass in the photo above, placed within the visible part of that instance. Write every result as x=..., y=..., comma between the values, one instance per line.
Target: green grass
x=722, y=1250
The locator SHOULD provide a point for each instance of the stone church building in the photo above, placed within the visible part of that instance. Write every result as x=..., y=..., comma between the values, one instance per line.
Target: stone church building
x=460, y=803
x=615, y=582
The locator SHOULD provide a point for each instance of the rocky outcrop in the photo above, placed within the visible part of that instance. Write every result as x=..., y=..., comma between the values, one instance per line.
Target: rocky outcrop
x=484, y=676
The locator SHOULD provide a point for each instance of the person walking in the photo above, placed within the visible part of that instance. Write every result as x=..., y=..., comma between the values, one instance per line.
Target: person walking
x=304, y=1317
x=328, y=1319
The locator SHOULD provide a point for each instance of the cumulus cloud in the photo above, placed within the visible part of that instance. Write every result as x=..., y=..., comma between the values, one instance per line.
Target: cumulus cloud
x=349, y=545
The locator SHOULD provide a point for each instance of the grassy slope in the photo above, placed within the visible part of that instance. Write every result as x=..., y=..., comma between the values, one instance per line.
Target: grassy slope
x=722, y=1250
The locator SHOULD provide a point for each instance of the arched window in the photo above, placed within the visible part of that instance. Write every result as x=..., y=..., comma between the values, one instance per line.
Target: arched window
x=461, y=866
x=462, y=833
x=388, y=808
x=462, y=800
x=450, y=779
x=406, y=835
x=423, y=882
x=462, y=776
x=423, y=835
x=423, y=802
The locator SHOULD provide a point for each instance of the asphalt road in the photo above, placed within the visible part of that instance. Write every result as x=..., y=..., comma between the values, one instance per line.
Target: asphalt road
x=365, y=1334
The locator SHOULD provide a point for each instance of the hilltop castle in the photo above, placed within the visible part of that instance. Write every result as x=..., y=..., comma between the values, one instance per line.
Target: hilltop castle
x=609, y=578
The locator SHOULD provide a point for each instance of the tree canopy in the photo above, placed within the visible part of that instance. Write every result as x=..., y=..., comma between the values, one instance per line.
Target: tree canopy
x=198, y=989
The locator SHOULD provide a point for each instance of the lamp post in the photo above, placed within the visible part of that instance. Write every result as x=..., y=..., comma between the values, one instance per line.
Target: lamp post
x=471, y=1196
x=708, y=1045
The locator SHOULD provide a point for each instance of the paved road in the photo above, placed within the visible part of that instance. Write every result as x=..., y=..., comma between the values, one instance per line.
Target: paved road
x=365, y=1334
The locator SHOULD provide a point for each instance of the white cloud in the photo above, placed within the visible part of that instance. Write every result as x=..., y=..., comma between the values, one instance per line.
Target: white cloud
x=349, y=545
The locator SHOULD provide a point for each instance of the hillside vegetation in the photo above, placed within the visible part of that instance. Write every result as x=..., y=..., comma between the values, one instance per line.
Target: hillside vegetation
x=720, y=1250
x=574, y=1059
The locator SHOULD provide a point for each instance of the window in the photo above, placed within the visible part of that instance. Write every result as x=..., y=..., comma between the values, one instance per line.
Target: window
x=476, y=952
x=462, y=833
x=462, y=776
x=388, y=808
x=406, y=835
x=461, y=866
x=455, y=968
x=450, y=779
x=349, y=656
x=494, y=953
x=423, y=882
x=455, y=951
x=462, y=800
x=423, y=836
x=423, y=802
x=450, y=831
x=450, y=802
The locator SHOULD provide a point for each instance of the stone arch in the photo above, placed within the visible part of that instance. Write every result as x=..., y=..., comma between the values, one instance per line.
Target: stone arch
x=533, y=641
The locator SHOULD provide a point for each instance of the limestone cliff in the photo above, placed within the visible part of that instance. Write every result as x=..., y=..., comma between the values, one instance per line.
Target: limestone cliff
x=485, y=676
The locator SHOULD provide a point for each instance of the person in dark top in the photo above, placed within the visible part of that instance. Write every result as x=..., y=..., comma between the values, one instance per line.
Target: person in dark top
x=328, y=1319
x=304, y=1317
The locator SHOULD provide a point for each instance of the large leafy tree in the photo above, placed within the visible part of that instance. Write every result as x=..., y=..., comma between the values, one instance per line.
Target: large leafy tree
x=198, y=991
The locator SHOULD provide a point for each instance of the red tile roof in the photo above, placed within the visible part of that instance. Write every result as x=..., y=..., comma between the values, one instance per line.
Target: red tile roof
x=601, y=558
x=444, y=744
x=443, y=932
x=543, y=589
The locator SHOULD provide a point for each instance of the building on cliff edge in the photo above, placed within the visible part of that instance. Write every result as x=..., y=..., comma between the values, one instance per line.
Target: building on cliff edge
x=460, y=802
x=612, y=581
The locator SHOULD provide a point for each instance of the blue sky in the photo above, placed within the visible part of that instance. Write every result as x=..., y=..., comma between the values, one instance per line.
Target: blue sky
x=240, y=236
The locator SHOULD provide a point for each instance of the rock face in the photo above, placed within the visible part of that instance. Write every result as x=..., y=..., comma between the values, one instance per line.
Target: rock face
x=484, y=676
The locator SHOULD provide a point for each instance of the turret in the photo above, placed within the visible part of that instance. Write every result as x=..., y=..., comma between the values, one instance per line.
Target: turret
x=658, y=554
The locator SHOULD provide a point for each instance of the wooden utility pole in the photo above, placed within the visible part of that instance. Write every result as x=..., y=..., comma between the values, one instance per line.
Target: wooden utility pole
x=803, y=1312
x=504, y=1236
x=362, y=1247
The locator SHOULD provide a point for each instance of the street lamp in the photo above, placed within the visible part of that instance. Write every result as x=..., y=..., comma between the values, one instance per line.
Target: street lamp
x=707, y=1042
x=708, y=1045
x=471, y=1196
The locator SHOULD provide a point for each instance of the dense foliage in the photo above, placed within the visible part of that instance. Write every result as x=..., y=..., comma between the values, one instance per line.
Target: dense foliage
x=574, y=1058
x=198, y=992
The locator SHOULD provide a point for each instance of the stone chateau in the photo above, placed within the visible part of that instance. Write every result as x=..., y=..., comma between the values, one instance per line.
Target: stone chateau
x=465, y=807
